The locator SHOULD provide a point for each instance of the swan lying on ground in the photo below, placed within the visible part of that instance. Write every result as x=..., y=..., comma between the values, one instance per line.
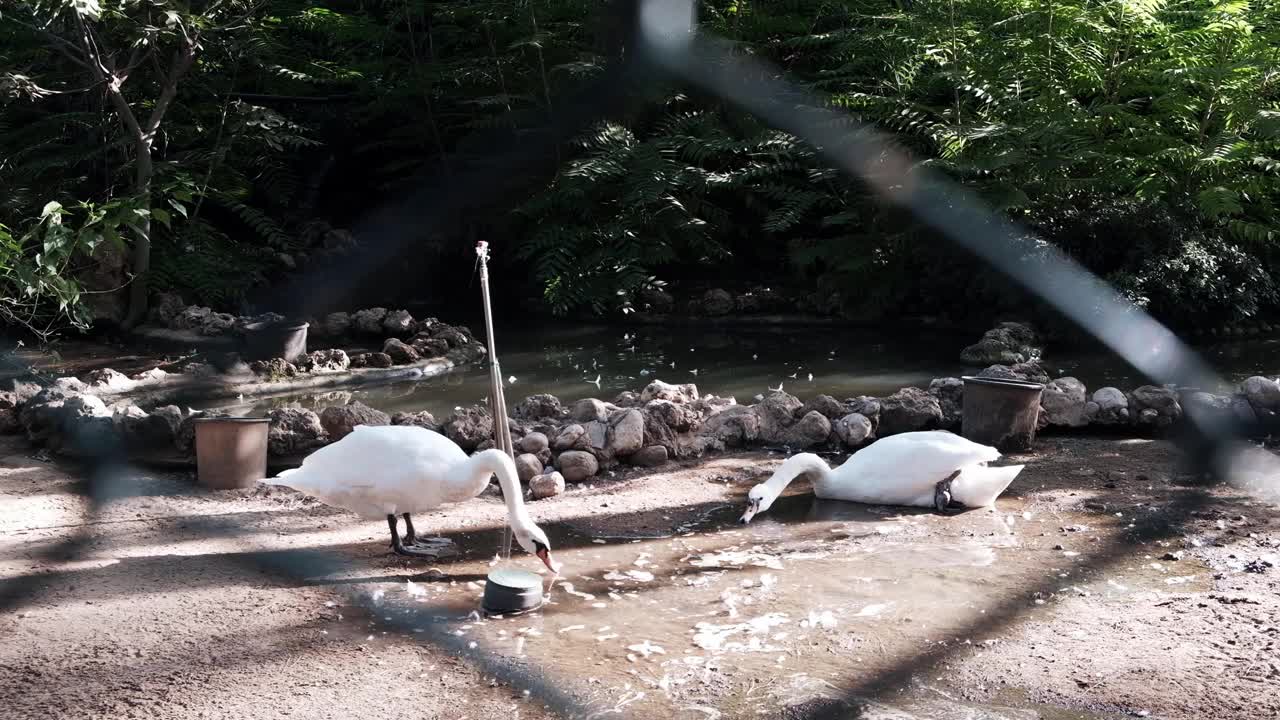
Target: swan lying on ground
x=932, y=468
x=388, y=470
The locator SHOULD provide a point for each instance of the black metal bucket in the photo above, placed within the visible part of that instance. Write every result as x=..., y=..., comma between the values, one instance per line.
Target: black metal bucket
x=508, y=590
x=269, y=340
x=1001, y=412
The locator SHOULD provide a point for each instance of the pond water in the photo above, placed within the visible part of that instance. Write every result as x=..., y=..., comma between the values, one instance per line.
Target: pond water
x=573, y=363
x=815, y=599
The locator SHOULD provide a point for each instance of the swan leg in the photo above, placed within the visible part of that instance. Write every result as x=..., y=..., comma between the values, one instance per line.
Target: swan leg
x=410, y=537
x=414, y=550
x=942, y=501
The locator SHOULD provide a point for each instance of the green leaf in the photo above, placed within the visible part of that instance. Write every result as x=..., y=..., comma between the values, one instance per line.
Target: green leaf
x=161, y=216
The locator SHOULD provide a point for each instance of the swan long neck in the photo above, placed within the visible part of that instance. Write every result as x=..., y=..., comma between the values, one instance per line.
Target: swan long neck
x=496, y=462
x=794, y=467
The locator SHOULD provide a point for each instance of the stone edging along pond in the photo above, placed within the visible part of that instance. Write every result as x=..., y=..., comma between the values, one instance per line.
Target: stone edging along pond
x=558, y=442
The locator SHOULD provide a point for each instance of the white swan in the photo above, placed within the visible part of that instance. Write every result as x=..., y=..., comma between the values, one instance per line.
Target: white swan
x=388, y=470
x=918, y=469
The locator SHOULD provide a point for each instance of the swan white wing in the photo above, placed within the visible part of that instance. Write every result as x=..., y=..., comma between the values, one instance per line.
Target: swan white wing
x=904, y=469
x=379, y=470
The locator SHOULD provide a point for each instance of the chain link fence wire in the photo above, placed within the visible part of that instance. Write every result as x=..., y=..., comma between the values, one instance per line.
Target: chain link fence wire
x=665, y=41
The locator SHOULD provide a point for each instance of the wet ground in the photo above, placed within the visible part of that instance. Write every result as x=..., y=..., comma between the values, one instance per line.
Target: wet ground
x=1101, y=586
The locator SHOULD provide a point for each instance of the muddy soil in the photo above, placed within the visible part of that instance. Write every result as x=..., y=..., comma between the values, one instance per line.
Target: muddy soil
x=1102, y=585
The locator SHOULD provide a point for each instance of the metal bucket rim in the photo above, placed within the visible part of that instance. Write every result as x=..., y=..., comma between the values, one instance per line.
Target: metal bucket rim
x=231, y=420
x=1002, y=382
x=276, y=327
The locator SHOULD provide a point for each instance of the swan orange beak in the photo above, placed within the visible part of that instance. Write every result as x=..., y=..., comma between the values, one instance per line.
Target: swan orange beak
x=545, y=556
x=752, y=509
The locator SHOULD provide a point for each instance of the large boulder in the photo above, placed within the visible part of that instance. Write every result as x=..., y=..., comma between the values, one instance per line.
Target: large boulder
x=717, y=302
x=1007, y=343
x=429, y=347
x=9, y=422
x=588, y=409
x=538, y=407
x=324, y=361
x=336, y=324
x=398, y=323
x=371, y=360
x=369, y=322
x=1154, y=406
x=825, y=404
x=106, y=380
x=400, y=352
x=1030, y=371
x=166, y=307
x=866, y=406
x=452, y=336
x=777, y=413
x=651, y=456
x=812, y=429
x=48, y=413
x=1062, y=404
x=656, y=300
x=853, y=430
x=294, y=431
x=469, y=427
x=679, y=417
x=1263, y=393
x=527, y=467
x=340, y=420
x=950, y=394
x=626, y=432
x=659, y=390
x=571, y=437
x=533, y=442
x=577, y=465
x=908, y=410
x=1108, y=406
x=734, y=427
x=422, y=419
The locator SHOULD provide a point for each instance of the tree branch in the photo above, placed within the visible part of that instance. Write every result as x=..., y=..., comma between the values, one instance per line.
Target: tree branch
x=182, y=60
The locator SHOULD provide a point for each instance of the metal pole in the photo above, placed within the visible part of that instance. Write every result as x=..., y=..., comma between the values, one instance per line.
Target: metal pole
x=497, y=401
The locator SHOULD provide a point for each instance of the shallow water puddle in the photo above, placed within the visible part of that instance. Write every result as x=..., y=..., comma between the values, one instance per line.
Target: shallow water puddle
x=820, y=593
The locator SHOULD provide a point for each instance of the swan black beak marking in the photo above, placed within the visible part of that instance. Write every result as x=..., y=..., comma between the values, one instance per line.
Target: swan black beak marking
x=752, y=509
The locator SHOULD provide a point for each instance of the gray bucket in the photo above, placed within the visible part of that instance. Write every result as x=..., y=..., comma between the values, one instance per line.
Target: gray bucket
x=508, y=590
x=1001, y=412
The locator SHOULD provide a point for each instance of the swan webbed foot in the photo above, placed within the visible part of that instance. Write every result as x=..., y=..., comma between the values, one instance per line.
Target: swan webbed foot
x=942, y=500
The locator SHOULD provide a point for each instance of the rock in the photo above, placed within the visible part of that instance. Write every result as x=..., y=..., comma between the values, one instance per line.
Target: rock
x=597, y=434
x=1027, y=371
x=651, y=456
x=538, y=407
x=371, y=360
x=707, y=406
x=657, y=430
x=186, y=439
x=1242, y=411
x=528, y=466
x=325, y=361
x=534, y=442
x=1007, y=343
x=338, y=421
x=657, y=301
x=274, y=369
x=627, y=398
x=141, y=431
x=191, y=318
x=589, y=409
x=336, y=324
x=166, y=307
x=950, y=394
x=429, y=347
x=294, y=431
x=825, y=404
x=812, y=429
x=908, y=410
x=107, y=380
x=734, y=427
x=1062, y=404
x=866, y=406
x=572, y=437
x=338, y=239
x=422, y=419
x=369, y=322
x=399, y=352
x=1155, y=405
x=680, y=418
x=853, y=429
x=1108, y=406
x=659, y=390
x=545, y=486
x=218, y=324
x=150, y=376
x=717, y=302
x=9, y=422
x=626, y=432
x=469, y=427
x=43, y=415
x=70, y=385
x=1263, y=393
x=700, y=445
x=398, y=323
x=454, y=337
x=777, y=412
x=577, y=465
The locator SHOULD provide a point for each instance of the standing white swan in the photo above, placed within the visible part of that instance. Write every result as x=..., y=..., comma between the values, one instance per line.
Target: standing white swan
x=388, y=470
x=918, y=469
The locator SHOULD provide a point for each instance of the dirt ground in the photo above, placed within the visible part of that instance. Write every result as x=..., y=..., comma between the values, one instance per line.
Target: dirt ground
x=1102, y=585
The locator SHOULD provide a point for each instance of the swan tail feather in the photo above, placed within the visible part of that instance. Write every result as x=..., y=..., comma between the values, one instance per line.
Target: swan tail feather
x=979, y=485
